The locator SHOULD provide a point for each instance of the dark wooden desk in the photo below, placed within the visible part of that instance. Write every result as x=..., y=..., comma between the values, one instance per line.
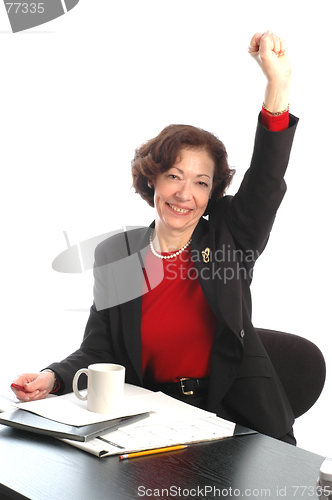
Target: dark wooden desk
x=255, y=466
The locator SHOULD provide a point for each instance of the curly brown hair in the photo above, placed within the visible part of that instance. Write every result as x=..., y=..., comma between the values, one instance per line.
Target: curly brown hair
x=159, y=154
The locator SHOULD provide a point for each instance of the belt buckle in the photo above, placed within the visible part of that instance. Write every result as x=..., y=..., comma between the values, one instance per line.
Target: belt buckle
x=185, y=393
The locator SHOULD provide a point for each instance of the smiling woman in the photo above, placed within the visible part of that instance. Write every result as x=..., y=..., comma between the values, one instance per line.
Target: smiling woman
x=188, y=330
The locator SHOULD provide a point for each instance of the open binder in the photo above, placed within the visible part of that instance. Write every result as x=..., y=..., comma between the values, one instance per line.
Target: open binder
x=24, y=420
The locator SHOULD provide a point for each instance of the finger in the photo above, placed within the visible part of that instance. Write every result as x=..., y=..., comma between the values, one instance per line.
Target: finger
x=276, y=44
x=19, y=394
x=266, y=42
x=18, y=386
x=253, y=48
x=283, y=47
x=35, y=385
x=26, y=396
x=43, y=382
x=254, y=43
x=25, y=378
x=33, y=396
x=36, y=395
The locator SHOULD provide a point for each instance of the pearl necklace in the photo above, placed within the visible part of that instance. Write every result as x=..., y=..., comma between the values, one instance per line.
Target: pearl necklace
x=160, y=256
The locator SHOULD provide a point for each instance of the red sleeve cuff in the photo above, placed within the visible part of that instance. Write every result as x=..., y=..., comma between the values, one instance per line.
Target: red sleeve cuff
x=275, y=123
x=56, y=386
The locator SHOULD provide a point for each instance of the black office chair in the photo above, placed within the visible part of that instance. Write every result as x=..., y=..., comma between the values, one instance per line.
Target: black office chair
x=299, y=364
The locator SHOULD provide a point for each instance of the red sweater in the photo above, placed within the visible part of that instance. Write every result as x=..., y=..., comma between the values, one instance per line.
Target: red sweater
x=178, y=325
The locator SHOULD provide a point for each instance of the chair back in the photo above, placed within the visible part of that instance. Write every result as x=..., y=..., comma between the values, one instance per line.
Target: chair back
x=299, y=364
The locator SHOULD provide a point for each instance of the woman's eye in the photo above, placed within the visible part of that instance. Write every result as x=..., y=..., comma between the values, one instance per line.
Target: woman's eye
x=201, y=183
x=172, y=176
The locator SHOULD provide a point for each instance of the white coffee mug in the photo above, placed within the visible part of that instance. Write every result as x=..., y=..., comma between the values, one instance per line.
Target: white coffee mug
x=105, y=387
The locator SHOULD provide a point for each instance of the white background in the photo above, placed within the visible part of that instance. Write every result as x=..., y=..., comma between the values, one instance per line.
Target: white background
x=79, y=94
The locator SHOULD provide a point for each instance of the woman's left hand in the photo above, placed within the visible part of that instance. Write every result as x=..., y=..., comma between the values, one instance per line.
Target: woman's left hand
x=271, y=53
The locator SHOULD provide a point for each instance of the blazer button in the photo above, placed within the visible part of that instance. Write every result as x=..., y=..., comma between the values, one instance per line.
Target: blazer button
x=242, y=334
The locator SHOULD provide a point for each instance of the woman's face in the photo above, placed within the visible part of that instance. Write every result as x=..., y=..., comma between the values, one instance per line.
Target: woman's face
x=182, y=193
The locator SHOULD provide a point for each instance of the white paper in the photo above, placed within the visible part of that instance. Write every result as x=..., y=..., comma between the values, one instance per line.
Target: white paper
x=70, y=410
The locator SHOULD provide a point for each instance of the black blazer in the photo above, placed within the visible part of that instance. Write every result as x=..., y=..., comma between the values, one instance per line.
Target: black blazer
x=243, y=385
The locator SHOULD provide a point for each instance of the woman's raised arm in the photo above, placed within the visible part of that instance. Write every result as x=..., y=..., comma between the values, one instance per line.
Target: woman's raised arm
x=270, y=52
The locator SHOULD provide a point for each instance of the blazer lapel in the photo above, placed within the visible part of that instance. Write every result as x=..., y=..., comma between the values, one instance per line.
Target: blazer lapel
x=131, y=311
x=218, y=273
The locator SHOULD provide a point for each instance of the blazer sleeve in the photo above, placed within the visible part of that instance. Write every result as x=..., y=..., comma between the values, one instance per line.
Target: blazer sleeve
x=96, y=346
x=252, y=211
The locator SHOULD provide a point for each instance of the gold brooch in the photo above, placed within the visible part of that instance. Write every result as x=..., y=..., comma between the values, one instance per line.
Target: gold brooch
x=206, y=254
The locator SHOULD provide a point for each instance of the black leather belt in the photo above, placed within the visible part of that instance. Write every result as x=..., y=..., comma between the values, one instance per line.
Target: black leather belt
x=185, y=386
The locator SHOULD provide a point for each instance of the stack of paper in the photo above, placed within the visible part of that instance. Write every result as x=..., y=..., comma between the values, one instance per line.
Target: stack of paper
x=169, y=422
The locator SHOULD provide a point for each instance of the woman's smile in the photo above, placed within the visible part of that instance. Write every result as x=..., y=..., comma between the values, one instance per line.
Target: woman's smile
x=178, y=209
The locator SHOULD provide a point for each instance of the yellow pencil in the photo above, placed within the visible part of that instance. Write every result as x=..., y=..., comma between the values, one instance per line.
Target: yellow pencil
x=152, y=452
